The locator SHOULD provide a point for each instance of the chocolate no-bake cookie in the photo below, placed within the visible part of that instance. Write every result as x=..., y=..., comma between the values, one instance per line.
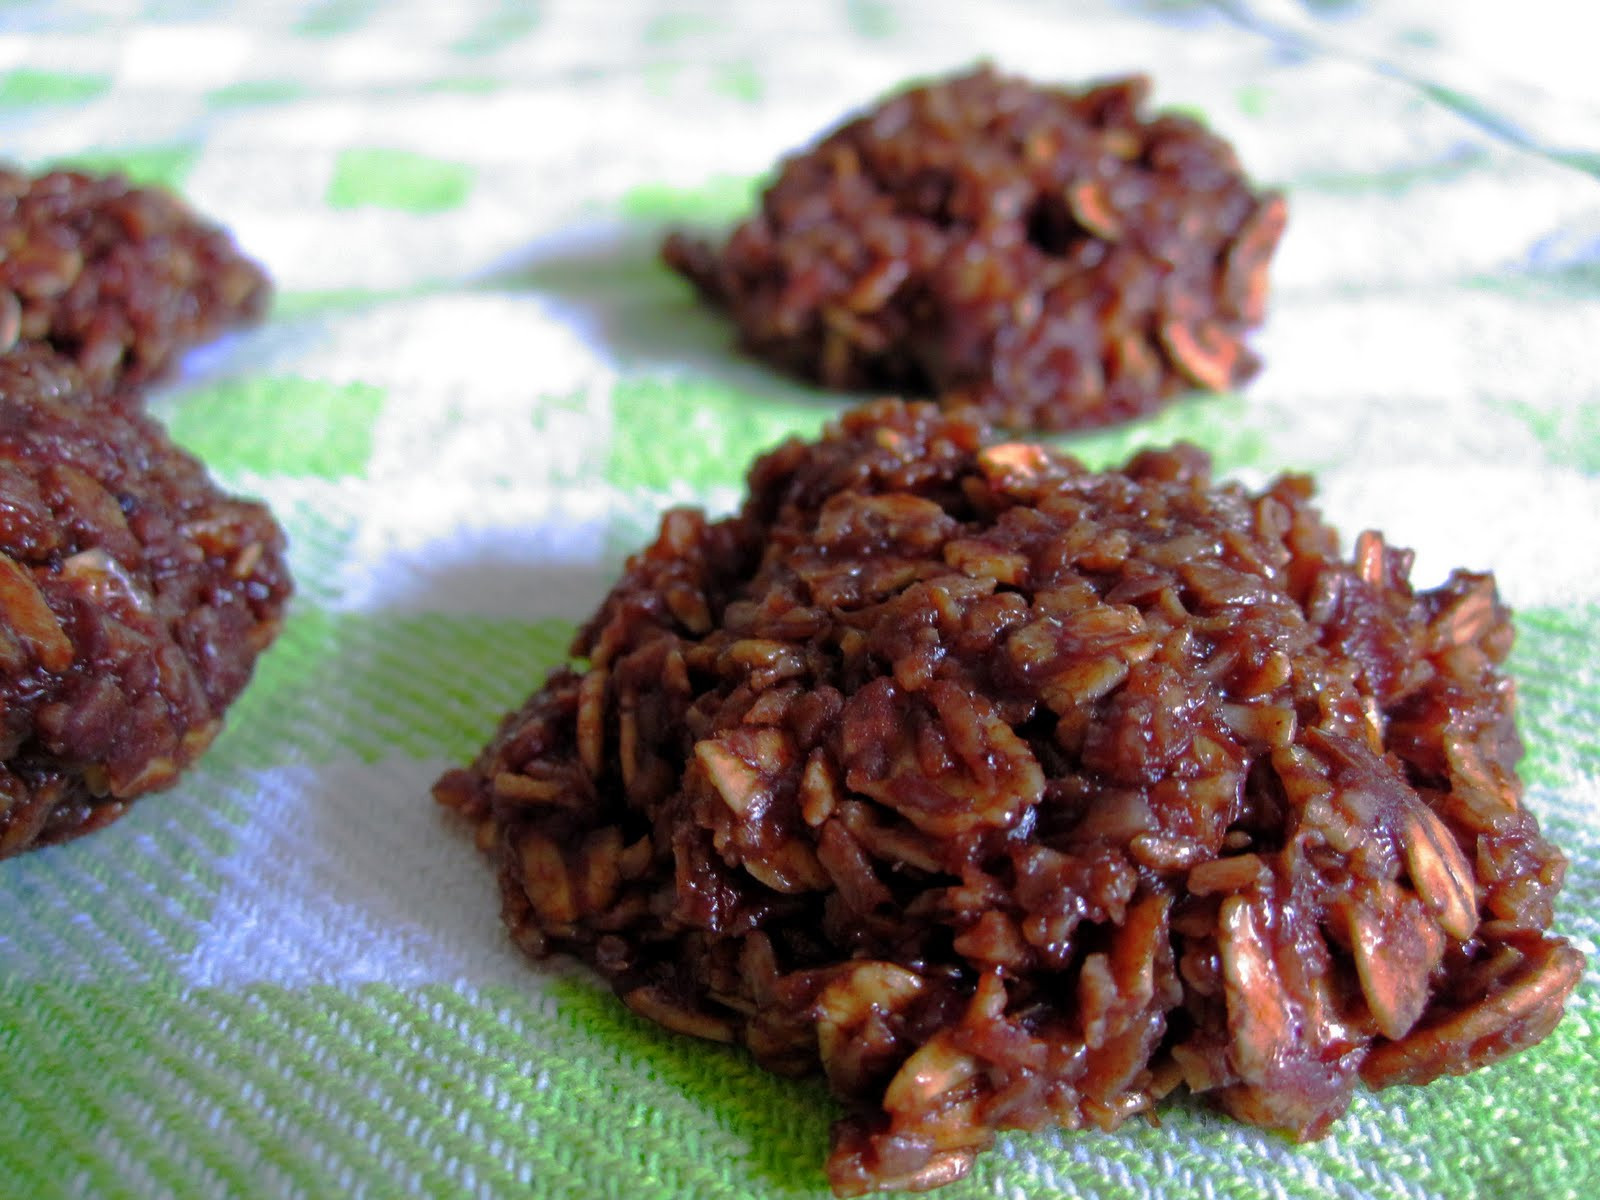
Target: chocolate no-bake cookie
x=1011, y=793
x=1058, y=259
x=134, y=599
x=118, y=278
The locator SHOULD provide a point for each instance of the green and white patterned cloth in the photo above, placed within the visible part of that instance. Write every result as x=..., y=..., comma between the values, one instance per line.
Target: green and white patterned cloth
x=477, y=392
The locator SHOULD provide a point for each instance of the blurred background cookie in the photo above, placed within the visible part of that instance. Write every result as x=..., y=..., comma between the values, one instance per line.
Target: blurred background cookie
x=118, y=278
x=1057, y=258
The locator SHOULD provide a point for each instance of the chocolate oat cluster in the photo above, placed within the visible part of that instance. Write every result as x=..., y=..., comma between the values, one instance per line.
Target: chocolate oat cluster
x=117, y=278
x=1010, y=793
x=1058, y=259
x=134, y=599
x=135, y=596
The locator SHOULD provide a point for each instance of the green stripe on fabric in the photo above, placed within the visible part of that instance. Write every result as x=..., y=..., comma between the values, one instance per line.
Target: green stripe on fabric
x=1220, y=424
x=1560, y=281
x=741, y=81
x=295, y=304
x=464, y=85
x=379, y=685
x=694, y=433
x=1558, y=692
x=153, y=1072
x=720, y=200
x=379, y=177
x=499, y=25
x=426, y=1093
x=873, y=19
x=432, y=1091
x=1570, y=436
x=1254, y=99
x=668, y=27
x=280, y=426
x=784, y=1123
x=329, y=17
x=25, y=87
x=1196, y=1149
x=249, y=92
x=162, y=166
x=660, y=78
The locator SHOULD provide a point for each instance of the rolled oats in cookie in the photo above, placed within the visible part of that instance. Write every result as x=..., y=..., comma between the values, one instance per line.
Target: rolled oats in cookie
x=118, y=278
x=1012, y=794
x=1058, y=259
x=135, y=597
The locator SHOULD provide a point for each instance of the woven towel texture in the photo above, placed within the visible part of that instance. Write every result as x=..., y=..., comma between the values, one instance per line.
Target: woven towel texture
x=477, y=392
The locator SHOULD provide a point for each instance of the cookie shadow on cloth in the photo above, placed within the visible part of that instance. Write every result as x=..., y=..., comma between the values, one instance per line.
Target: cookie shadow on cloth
x=638, y=313
x=348, y=875
x=502, y=575
x=354, y=714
